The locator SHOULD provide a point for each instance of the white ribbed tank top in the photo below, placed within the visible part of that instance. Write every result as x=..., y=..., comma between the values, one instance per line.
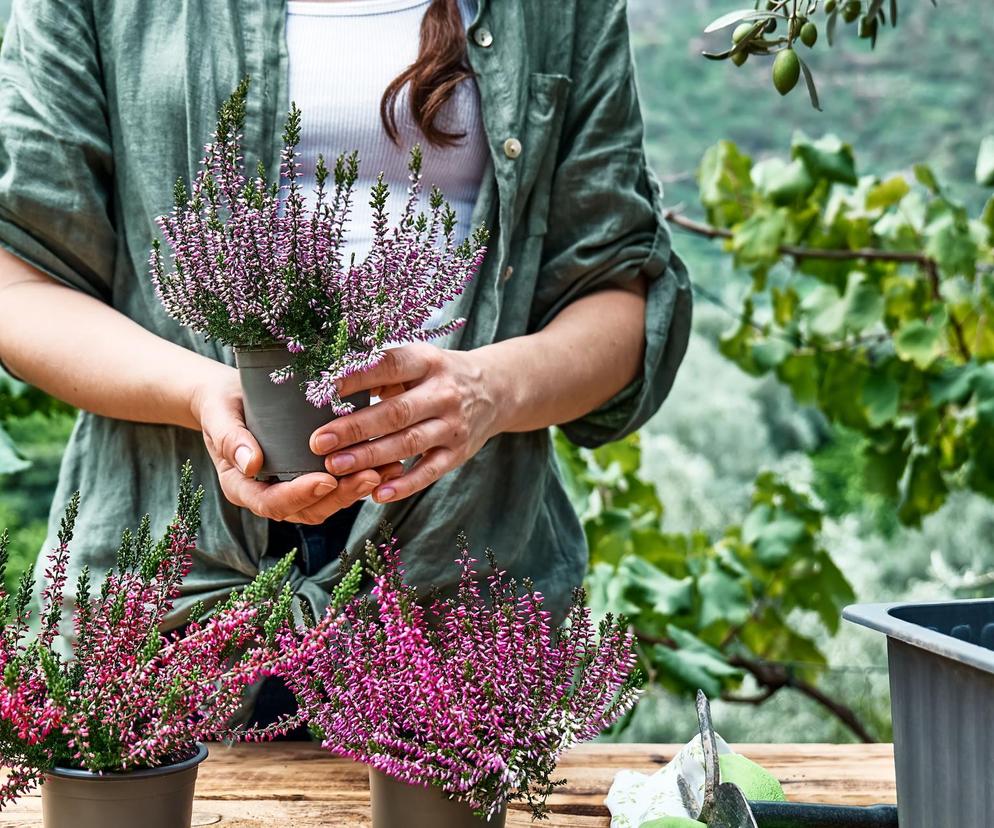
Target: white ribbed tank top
x=342, y=56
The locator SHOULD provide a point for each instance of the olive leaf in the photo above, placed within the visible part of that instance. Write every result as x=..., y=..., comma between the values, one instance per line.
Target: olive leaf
x=731, y=18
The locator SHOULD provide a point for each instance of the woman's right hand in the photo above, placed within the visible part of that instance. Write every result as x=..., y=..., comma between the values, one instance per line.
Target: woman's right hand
x=311, y=498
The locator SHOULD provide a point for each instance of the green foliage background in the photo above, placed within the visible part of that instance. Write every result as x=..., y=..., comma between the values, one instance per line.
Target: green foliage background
x=918, y=97
x=735, y=484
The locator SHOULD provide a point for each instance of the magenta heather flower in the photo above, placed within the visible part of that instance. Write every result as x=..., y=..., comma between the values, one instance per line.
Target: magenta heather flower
x=252, y=266
x=130, y=696
x=476, y=694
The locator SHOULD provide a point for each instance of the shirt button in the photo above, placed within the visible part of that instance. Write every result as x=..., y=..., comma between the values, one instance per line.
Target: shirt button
x=512, y=148
x=483, y=38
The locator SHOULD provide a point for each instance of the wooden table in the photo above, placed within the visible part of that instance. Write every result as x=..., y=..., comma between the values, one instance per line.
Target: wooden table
x=300, y=786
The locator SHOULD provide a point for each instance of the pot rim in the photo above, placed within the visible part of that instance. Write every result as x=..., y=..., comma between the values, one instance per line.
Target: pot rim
x=275, y=345
x=141, y=773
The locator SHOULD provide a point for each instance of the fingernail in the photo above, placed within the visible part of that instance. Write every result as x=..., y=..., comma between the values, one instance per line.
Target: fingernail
x=325, y=443
x=321, y=489
x=243, y=456
x=342, y=463
x=384, y=494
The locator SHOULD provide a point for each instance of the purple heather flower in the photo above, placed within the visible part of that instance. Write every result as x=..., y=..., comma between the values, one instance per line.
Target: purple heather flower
x=131, y=696
x=251, y=265
x=475, y=694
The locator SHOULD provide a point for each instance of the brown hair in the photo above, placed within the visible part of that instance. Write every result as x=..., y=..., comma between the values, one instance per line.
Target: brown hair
x=441, y=66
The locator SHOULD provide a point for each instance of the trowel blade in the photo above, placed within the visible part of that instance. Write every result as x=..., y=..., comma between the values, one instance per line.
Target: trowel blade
x=731, y=809
x=709, y=745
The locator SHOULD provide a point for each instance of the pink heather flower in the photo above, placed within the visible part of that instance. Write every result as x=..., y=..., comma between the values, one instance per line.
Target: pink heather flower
x=131, y=697
x=252, y=266
x=476, y=694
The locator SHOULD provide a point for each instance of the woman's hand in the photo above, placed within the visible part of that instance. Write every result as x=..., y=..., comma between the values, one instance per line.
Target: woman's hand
x=442, y=406
x=438, y=405
x=311, y=498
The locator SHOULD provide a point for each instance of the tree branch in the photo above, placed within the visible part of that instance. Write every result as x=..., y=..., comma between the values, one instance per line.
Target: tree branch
x=757, y=699
x=773, y=677
x=929, y=265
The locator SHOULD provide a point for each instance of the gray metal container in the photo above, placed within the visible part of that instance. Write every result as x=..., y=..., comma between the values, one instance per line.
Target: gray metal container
x=279, y=416
x=398, y=805
x=941, y=660
x=148, y=798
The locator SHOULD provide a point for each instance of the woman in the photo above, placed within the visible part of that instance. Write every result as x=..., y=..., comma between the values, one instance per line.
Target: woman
x=528, y=114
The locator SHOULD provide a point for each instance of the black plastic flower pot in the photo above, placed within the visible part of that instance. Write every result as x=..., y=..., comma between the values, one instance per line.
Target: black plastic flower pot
x=148, y=798
x=279, y=416
x=398, y=805
x=941, y=660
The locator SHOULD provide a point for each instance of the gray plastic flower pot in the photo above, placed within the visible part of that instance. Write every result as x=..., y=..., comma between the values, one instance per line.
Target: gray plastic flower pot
x=279, y=416
x=941, y=659
x=148, y=798
x=398, y=805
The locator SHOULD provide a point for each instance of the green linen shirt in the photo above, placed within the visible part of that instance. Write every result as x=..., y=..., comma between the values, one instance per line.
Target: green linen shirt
x=104, y=103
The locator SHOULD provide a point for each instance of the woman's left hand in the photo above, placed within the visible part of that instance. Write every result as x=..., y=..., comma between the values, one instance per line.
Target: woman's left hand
x=437, y=404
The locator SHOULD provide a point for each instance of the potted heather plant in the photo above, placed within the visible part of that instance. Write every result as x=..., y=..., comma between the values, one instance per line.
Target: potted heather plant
x=464, y=705
x=114, y=734
x=253, y=267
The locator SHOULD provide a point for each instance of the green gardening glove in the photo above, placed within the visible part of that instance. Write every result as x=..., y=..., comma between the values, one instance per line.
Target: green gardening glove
x=756, y=782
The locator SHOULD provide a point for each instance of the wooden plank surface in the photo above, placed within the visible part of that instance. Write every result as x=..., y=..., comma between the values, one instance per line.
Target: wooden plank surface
x=300, y=786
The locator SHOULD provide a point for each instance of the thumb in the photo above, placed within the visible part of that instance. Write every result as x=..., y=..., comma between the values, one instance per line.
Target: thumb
x=225, y=431
x=246, y=455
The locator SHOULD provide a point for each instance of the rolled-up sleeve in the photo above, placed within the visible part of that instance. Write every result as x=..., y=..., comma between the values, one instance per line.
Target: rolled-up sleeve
x=56, y=162
x=605, y=220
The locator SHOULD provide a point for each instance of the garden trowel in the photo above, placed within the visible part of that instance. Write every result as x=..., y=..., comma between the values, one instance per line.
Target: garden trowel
x=725, y=806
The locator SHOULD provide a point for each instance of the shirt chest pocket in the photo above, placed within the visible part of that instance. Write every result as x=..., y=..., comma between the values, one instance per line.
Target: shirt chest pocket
x=541, y=132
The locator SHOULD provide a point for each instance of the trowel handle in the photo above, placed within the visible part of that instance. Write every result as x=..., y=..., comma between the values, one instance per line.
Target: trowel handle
x=793, y=814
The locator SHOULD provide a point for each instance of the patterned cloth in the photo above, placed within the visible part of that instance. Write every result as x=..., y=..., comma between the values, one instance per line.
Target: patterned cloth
x=675, y=790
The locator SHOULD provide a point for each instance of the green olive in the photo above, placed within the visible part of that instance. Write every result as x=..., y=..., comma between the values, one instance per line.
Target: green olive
x=786, y=70
x=740, y=57
x=852, y=10
x=741, y=31
x=809, y=34
x=867, y=27
x=830, y=6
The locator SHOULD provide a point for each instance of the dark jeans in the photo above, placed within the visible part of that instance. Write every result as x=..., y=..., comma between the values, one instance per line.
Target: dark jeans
x=316, y=546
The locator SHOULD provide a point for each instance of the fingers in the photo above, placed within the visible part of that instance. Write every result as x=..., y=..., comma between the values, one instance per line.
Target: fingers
x=398, y=366
x=228, y=439
x=386, y=417
x=391, y=472
x=349, y=490
x=427, y=470
x=311, y=498
x=394, y=448
x=276, y=501
x=238, y=458
x=387, y=391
